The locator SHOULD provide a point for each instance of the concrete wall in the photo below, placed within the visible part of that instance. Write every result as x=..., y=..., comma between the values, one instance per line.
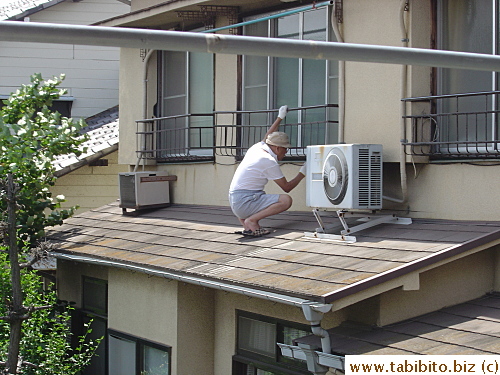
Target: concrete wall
x=91, y=72
x=91, y=187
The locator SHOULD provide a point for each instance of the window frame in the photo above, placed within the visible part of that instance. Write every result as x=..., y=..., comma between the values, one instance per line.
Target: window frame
x=278, y=363
x=456, y=135
x=86, y=313
x=89, y=309
x=331, y=76
x=140, y=343
x=187, y=147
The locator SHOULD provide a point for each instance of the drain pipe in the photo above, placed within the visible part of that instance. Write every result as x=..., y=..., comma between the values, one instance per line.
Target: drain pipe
x=340, y=39
x=403, y=93
x=313, y=312
x=145, y=103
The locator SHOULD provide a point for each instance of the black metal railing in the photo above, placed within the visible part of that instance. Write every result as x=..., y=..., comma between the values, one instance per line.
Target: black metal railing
x=202, y=136
x=458, y=126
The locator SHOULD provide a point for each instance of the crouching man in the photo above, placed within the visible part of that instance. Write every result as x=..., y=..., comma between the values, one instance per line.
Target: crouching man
x=247, y=198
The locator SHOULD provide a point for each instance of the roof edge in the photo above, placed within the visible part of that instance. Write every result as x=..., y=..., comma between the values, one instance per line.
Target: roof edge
x=37, y=8
x=228, y=287
x=85, y=161
x=493, y=238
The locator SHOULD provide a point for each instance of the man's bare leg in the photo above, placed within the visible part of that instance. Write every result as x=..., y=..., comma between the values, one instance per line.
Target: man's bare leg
x=283, y=204
x=242, y=221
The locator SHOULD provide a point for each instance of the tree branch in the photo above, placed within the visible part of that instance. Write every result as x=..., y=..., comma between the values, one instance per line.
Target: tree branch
x=25, y=313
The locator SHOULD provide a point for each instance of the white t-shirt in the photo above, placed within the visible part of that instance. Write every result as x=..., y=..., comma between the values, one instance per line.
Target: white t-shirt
x=259, y=165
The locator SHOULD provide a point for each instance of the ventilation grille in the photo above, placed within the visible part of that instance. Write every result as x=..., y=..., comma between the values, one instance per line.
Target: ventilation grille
x=369, y=178
x=127, y=190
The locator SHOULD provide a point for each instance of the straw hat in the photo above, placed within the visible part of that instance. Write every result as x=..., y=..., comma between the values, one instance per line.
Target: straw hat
x=278, y=139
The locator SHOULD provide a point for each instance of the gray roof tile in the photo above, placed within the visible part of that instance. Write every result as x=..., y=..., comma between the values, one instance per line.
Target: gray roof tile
x=200, y=241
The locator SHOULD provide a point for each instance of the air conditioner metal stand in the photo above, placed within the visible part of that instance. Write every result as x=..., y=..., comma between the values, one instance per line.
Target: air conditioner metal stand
x=345, y=234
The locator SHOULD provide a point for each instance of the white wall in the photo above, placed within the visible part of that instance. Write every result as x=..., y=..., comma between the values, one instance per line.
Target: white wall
x=91, y=72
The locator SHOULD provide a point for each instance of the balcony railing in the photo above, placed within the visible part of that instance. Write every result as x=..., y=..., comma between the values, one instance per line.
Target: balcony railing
x=202, y=136
x=459, y=126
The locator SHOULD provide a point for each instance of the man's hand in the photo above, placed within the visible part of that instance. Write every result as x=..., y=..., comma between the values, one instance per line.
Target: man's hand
x=283, y=111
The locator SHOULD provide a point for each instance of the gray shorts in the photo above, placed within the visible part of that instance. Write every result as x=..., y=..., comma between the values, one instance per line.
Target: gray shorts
x=245, y=203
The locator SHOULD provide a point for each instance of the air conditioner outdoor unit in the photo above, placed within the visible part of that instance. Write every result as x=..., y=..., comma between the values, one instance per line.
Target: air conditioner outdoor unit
x=140, y=190
x=344, y=177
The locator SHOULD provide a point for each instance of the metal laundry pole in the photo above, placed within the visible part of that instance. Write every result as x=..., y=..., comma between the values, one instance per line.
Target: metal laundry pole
x=241, y=45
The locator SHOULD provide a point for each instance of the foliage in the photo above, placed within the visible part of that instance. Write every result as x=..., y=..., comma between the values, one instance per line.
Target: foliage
x=31, y=136
x=45, y=339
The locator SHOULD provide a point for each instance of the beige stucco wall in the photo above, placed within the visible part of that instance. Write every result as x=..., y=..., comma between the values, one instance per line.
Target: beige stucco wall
x=69, y=279
x=144, y=306
x=153, y=308
x=189, y=318
x=131, y=101
x=373, y=90
x=373, y=93
x=196, y=330
x=203, y=321
x=90, y=187
x=455, y=191
x=462, y=280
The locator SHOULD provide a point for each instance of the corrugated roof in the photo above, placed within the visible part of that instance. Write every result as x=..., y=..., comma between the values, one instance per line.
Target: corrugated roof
x=469, y=328
x=200, y=241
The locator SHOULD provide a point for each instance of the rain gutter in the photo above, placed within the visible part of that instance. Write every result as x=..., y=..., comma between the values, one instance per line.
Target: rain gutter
x=227, y=287
x=277, y=15
x=241, y=45
x=313, y=311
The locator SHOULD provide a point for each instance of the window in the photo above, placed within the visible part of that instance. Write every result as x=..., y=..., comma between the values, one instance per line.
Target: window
x=270, y=82
x=186, y=87
x=257, y=350
x=129, y=355
x=95, y=309
x=62, y=105
x=468, y=26
x=95, y=293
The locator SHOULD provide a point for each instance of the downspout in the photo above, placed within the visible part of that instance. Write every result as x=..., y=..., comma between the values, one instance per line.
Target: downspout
x=145, y=103
x=340, y=39
x=403, y=94
x=313, y=312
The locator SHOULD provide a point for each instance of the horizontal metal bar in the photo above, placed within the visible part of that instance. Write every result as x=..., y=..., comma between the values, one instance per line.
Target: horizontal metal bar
x=240, y=45
x=450, y=96
x=276, y=110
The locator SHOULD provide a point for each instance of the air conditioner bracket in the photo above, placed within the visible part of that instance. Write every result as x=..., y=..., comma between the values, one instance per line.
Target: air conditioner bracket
x=369, y=220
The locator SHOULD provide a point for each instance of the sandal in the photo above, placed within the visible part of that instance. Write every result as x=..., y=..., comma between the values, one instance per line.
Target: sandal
x=256, y=233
